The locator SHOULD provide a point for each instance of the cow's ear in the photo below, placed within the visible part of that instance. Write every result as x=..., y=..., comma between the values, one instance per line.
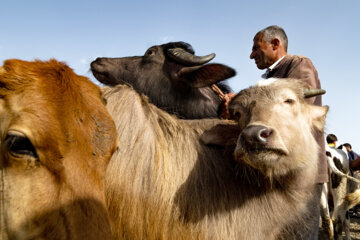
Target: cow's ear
x=318, y=115
x=206, y=75
x=221, y=134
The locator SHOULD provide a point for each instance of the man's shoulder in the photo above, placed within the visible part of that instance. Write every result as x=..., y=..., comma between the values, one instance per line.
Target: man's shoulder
x=297, y=61
x=292, y=66
x=296, y=58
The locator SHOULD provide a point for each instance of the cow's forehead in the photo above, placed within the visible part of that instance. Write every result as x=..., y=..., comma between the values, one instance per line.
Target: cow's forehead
x=17, y=75
x=269, y=90
x=42, y=78
x=46, y=92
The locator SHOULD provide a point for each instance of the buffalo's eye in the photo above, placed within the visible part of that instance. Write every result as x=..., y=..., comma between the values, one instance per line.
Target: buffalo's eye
x=235, y=115
x=19, y=145
x=150, y=52
x=289, y=101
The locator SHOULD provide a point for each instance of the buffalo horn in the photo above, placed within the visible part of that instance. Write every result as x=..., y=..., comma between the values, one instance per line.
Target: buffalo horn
x=308, y=93
x=186, y=58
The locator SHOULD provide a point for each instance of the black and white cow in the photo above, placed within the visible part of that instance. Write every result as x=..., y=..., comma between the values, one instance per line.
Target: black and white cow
x=341, y=191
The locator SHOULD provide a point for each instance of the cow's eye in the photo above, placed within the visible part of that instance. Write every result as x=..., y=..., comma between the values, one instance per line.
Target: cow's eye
x=289, y=101
x=19, y=145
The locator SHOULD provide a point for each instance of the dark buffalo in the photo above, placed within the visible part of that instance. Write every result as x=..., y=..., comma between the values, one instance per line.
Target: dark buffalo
x=171, y=76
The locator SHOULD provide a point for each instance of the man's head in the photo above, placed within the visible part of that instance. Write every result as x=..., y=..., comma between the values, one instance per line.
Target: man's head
x=347, y=146
x=331, y=138
x=270, y=44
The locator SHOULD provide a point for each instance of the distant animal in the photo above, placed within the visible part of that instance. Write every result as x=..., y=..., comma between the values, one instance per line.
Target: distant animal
x=56, y=140
x=214, y=179
x=339, y=195
x=355, y=164
x=172, y=77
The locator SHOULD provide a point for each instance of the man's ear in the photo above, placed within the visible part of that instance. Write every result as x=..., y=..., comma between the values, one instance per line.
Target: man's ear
x=205, y=75
x=221, y=134
x=275, y=43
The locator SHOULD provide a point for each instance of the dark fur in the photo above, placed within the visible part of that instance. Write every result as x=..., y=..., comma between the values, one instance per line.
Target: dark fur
x=355, y=164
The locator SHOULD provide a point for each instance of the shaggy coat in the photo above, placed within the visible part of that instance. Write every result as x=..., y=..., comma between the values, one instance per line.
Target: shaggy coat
x=164, y=182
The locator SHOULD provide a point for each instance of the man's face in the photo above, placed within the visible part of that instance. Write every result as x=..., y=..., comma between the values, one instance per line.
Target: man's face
x=348, y=148
x=262, y=53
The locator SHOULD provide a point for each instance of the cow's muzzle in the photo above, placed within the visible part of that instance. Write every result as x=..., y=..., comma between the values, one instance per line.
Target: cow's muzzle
x=255, y=136
x=259, y=138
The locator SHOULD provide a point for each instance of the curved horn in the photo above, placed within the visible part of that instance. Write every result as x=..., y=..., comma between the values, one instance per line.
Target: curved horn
x=186, y=58
x=308, y=93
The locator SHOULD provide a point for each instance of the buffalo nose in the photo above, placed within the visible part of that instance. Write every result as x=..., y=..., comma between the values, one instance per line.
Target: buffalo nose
x=97, y=63
x=255, y=135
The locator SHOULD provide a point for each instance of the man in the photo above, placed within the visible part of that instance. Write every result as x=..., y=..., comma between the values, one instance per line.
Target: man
x=270, y=52
x=331, y=140
x=351, y=154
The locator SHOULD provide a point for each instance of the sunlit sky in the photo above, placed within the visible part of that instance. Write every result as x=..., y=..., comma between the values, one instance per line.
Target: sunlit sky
x=77, y=32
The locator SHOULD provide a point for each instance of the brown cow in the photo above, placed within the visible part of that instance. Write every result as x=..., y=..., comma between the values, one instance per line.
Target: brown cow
x=56, y=140
x=164, y=183
x=355, y=164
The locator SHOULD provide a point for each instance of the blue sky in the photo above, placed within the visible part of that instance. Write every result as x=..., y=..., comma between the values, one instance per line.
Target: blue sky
x=76, y=32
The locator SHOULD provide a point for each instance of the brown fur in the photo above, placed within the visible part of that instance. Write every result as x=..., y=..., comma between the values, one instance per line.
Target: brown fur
x=57, y=194
x=164, y=183
x=355, y=164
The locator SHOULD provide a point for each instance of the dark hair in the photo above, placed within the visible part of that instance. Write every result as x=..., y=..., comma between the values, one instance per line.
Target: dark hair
x=347, y=145
x=272, y=32
x=331, y=138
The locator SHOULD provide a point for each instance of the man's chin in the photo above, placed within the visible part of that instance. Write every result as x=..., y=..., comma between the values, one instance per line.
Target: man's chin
x=261, y=67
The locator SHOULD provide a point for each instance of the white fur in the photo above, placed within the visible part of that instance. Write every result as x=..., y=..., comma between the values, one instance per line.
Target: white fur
x=265, y=82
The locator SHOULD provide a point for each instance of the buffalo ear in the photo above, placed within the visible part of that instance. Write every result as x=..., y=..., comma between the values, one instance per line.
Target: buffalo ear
x=206, y=75
x=318, y=115
x=221, y=134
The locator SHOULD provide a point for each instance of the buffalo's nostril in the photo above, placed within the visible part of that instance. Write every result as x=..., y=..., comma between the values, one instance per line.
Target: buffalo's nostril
x=264, y=134
x=255, y=135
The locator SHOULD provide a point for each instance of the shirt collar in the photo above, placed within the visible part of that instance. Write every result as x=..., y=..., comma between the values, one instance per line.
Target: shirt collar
x=332, y=145
x=276, y=63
